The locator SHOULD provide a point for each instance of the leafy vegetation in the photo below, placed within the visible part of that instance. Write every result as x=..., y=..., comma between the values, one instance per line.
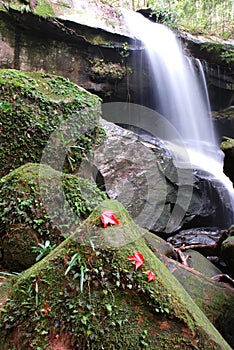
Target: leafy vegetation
x=91, y=297
x=24, y=219
x=43, y=249
x=41, y=7
x=213, y=17
x=32, y=107
x=107, y=71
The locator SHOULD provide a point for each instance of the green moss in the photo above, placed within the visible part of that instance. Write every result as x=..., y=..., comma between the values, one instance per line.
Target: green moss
x=32, y=107
x=22, y=193
x=43, y=7
x=27, y=193
x=101, y=301
x=227, y=143
x=211, y=297
x=99, y=40
x=46, y=86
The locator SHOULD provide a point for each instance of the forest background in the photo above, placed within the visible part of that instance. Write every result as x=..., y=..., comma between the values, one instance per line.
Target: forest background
x=211, y=17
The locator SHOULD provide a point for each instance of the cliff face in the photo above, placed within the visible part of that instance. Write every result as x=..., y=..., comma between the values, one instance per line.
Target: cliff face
x=82, y=50
x=89, y=43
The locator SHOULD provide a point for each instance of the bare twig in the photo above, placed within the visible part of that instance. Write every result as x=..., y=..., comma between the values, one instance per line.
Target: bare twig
x=223, y=278
x=195, y=246
x=184, y=259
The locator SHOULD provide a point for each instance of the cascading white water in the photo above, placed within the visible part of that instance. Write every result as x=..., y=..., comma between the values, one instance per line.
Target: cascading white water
x=180, y=96
x=175, y=83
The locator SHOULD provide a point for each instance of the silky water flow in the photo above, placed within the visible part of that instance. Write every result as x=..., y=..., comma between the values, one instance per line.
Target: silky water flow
x=178, y=86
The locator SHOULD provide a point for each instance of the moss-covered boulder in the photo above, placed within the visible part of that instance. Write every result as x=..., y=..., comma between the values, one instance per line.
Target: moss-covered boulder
x=25, y=217
x=215, y=299
x=87, y=295
x=227, y=250
x=32, y=107
x=227, y=147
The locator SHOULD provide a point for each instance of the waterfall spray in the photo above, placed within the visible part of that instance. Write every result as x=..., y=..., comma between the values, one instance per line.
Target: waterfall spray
x=180, y=94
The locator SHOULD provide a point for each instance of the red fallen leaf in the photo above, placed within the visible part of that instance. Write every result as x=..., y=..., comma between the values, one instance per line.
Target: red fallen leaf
x=108, y=217
x=138, y=258
x=47, y=308
x=151, y=275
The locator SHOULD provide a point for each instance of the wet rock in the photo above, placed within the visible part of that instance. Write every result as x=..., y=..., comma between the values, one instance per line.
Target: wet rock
x=156, y=16
x=227, y=250
x=227, y=147
x=131, y=174
x=68, y=42
x=198, y=262
x=159, y=196
x=17, y=246
x=198, y=236
x=38, y=204
x=212, y=297
x=224, y=122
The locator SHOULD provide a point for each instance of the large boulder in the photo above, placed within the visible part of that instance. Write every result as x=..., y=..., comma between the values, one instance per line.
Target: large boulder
x=38, y=204
x=211, y=296
x=227, y=147
x=158, y=195
x=227, y=251
x=87, y=294
x=32, y=107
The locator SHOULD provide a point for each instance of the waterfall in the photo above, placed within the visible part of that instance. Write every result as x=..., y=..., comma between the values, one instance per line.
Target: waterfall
x=202, y=79
x=180, y=95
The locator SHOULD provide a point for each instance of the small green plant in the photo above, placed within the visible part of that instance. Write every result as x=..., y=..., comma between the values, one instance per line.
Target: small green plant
x=228, y=56
x=43, y=249
x=7, y=280
x=124, y=50
x=144, y=339
x=103, y=70
x=77, y=260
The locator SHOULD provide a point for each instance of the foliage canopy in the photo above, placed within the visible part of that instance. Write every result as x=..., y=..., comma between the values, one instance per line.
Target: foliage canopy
x=200, y=16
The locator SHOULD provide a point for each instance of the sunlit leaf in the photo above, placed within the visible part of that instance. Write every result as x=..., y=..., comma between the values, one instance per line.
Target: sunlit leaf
x=138, y=258
x=108, y=217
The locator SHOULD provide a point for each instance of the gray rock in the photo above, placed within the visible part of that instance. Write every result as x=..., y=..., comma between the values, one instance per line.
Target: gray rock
x=197, y=236
x=227, y=250
x=198, y=262
x=158, y=195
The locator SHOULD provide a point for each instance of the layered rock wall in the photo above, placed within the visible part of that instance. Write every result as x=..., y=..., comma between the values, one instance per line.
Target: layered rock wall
x=83, y=43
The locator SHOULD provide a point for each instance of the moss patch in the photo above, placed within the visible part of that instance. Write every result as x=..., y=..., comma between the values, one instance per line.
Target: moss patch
x=43, y=7
x=32, y=107
x=227, y=146
x=89, y=296
x=227, y=143
x=25, y=219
